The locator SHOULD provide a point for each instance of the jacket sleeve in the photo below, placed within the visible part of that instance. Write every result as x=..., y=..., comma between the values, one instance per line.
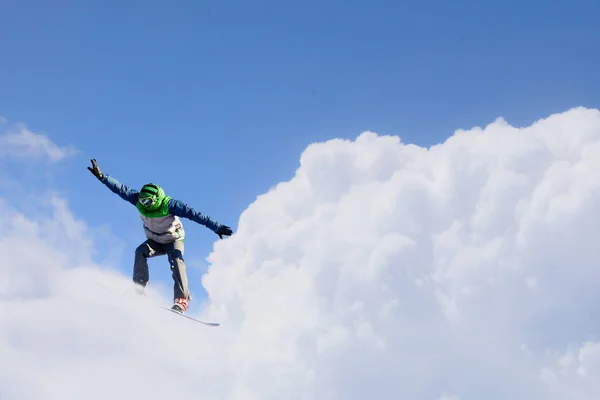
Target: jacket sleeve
x=125, y=192
x=180, y=209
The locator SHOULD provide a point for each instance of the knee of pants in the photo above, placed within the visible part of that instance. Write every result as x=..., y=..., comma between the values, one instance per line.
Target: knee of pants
x=177, y=260
x=142, y=250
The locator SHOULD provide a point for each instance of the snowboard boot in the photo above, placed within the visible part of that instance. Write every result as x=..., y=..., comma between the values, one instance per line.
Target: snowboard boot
x=141, y=290
x=181, y=305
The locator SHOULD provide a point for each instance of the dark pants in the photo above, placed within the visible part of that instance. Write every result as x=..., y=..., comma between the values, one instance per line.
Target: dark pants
x=174, y=252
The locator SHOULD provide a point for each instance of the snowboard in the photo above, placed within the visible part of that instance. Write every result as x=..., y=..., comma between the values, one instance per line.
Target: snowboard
x=192, y=318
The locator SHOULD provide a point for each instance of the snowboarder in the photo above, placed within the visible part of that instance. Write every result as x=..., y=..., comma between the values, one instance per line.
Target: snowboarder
x=164, y=232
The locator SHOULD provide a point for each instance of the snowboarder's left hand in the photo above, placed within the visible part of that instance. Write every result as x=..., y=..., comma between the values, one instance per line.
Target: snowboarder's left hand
x=224, y=230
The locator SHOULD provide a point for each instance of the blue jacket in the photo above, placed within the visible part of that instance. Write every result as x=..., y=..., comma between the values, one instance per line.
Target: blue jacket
x=176, y=207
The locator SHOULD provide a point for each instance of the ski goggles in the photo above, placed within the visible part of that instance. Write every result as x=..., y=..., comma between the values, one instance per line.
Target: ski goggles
x=147, y=201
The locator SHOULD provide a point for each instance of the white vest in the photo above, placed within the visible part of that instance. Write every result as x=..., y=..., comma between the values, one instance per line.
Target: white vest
x=163, y=229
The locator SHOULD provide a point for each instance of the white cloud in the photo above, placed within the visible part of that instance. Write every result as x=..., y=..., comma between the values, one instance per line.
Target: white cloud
x=22, y=142
x=381, y=270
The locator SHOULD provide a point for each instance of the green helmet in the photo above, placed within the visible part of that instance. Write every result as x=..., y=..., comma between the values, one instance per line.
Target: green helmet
x=151, y=196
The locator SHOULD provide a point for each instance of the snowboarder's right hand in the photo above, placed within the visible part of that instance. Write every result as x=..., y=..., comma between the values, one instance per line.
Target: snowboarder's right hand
x=96, y=170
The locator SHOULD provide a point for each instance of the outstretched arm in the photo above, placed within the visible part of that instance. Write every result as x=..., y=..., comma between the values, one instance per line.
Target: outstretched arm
x=180, y=209
x=125, y=192
x=115, y=186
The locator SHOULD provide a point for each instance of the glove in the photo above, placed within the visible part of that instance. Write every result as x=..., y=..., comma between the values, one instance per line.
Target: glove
x=224, y=230
x=95, y=170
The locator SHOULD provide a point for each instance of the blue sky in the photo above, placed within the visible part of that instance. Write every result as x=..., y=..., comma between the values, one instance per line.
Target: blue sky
x=215, y=101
